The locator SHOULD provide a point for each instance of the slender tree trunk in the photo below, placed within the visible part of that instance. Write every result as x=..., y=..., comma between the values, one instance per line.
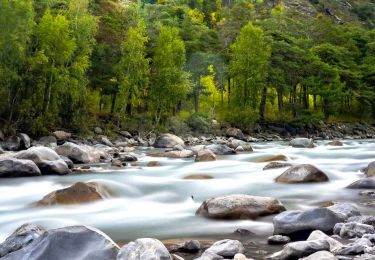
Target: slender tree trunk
x=294, y=101
x=280, y=99
x=129, y=103
x=305, y=98
x=262, y=105
x=314, y=101
x=229, y=91
x=196, y=99
x=113, y=102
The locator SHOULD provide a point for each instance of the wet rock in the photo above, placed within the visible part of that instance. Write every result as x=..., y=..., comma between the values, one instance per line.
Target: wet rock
x=167, y=141
x=357, y=247
x=243, y=232
x=81, y=153
x=333, y=243
x=346, y=209
x=241, y=257
x=75, y=242
x=236, y=133
x=49, y=141
x=301, y=174
x=47, y=160
x=174, y=154
x=25, y=141
x=369, y=193
x=104, y=140
x=276, y=165
x=300, y=249
x=220, y=149
x=364, y=183
x=335, y=143
x=368, y=220
x=353, y=229
x=226, y=248
x=235, y=143
x=370, y=170
x=198, y=177
x=62, y=136
x=321, y=255
x=209, y=256
x=239, y=206
x=125, y=134
x=205, y=155
x=67, y=161
x=117, y=163
x=370, y=237
x=78, y=193
x=144, y=249
x=278, y=240
x=16, y=143
x=23, y=236
x=270, y=158
x=302, y=143
x=153, y=164
x=12, y=167
x=299, y=224
x=191, y=246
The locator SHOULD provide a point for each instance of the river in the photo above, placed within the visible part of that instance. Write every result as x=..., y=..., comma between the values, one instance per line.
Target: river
x=157, y=202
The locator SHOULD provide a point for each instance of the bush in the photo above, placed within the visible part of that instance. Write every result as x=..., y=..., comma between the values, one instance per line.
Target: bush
x=199, y=123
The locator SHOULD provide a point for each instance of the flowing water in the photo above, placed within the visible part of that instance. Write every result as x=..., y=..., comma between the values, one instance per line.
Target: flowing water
x=157, y=201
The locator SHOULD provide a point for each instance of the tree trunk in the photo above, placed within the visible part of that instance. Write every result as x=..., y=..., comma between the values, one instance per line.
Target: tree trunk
x=314, y=101
x=294, y=101
x=262, y=105
x=196, y=99
x=228, y=91
x=113, y=102
x=280, y=99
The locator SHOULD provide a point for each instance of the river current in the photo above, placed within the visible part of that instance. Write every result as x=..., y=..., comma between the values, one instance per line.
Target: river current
x=157, y=202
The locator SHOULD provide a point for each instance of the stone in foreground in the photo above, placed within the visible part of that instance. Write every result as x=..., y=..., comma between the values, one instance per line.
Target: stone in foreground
x=239, y=206
x=333, y=243
x=144, y=249
x=226, y=248
x=321, y=255
x=302, y=174
x=167, y=141
x=12, y=167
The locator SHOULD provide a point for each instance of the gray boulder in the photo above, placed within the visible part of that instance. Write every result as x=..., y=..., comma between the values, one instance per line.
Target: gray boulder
x=17, y=143
x=190, y=246
x=346, y=209
x=353, y=229
x=364, y=183
x=226, y=248
x=301, y=174
x=81, y=153
x=333, y=243
x=47, y=160
x=335, y=143
x=144, y=249
x=359, y=246
x=62, y=136
x=220, y=149
x=302, y=143
x=205, y=155
x=368, y=220
x=276, y=165
x=49, y=141
x=235, y=143
x=300, y=249
x=278, y=240
x=235, y=132
x=167, y=141
x=73, y=243
x=321, y=255
x=104, y=140
x=239, y=206
x=11, y=167
x=207, y=255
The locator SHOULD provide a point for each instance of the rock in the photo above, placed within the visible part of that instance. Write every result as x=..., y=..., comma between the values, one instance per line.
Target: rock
x=301, y=174
x=276, y=165
x=174, y=154
x=167, y=141
x=299, y=224
x=278, y=240
x=98, y=130
x=370, y=237
x=235, y=143
x=205, y=155
x=357, y=247
x=25, y=141
x=104, y=140
x=178, y=147
x=333, y=243
x=243, y=232
x=226, y=248
x=125, y=134
x=117, y=163
x=364, y=183
x=78, y=193
x=191, y=246
x=67, y=161
x=153, y=164
x=47, y=160
x=346, y=209
x=81, y=153
x=144, y=249
x=198, y=177
x=270, y=158
x=353, y=229
x=370, y=170
x=321, y=255
x=16, y=143
x=23, y=236
x=209, y=256
x=369, y=193
x=240, y=257
x=176, y=257
x=239, y=206
x=368, y=220
x=11, y=167
x=335, y=143
x=74, y=242
x=300, y=249
x=302, y=143
x=220, y=149
x=49, y=141
x=61, y=136
x=236, y=133
x=239, y=149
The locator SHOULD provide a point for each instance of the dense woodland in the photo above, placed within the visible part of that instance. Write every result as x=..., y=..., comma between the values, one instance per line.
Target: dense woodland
x=151, y=64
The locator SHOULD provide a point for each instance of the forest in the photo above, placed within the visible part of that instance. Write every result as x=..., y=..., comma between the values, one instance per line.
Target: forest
x=69, y=64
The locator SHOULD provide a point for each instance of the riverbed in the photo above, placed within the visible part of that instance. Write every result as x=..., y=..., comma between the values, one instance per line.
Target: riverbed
x=157, y=202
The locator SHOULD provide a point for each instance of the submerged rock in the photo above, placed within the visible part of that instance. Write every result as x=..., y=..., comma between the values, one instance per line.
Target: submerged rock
x=205, y=155
x=198, y=177
x=11, y=167
x=220, y=149
x=364, y=183
x=144, y=249
x=271, y=158
x=239, y=206
x=301, y=174
x=335, y=143
x=276, y=165
x=167, y=141
x=302, y=143
x=74, y=243
x=76, y=194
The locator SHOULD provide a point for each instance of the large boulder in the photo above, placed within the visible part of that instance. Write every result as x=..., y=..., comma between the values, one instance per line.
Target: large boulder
x=73, y=243
x=301, y=174
x=364, y=183
x=23, y=236
x=297, y=250
x=302, y=143
x=226, y=248
x=239, y=206
x=17, y=143
x=167, y=141
x=62, y=136
x=81, y=153
x=11, y=167
x=220, y=149
x=333, y=243
x=299, y=224
x=235, y=132
x=370, y=170
x=144, y=249
x=345, y=209
x=235, y=143
x=205, y=155
x=47, y=160
x=78, y=193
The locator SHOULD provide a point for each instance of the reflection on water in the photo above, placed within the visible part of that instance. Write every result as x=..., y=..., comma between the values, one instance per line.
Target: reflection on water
x=157, y=201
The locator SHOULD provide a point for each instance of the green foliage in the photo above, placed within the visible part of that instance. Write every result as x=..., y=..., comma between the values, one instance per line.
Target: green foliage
x=199, y=123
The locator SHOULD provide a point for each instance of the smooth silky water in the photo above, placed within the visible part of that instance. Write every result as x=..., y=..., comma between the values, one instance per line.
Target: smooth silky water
x=157, y=202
